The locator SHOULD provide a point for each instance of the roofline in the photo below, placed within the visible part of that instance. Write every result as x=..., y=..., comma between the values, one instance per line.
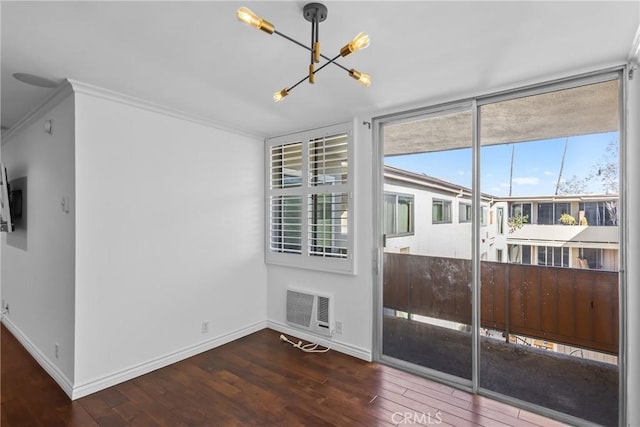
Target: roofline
x=440, y=184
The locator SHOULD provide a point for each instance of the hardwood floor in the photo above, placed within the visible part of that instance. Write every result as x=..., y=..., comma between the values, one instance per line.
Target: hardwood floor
x=255, y=381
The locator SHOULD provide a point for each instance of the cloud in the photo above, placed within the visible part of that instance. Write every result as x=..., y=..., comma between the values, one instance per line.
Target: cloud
x=527, y=180
x=549, y=173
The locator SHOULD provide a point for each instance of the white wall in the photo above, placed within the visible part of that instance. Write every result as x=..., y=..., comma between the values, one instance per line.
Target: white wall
x=169, y=235
x=352, y=294
x=38, y=283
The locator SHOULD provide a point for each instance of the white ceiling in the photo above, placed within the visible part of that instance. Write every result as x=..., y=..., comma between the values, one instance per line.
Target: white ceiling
x=197, y=58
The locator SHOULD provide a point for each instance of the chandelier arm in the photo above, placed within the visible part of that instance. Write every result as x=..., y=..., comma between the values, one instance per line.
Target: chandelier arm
x=291, y=39
x=300, y=81
x=330, y=61
x=308, y=48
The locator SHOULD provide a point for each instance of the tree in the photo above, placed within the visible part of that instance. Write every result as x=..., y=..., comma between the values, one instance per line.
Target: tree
x=602, y=176
x=516, y=222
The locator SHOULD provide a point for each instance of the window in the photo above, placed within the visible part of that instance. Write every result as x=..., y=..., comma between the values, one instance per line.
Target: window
x=520, y=254
x=398, y=214
x=554, y=257
x=600, y=213
x=500, y=222
x=523, y=209
x=309, y=197
x=499, y=255
x=441, y=211
x=465, y=213
x=550, y=213
x=592, y=256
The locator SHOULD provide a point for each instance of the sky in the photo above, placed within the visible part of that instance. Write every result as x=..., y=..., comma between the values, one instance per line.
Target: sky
x=536, y=164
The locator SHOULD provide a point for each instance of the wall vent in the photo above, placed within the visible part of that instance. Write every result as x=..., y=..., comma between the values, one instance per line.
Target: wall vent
x=309, y=311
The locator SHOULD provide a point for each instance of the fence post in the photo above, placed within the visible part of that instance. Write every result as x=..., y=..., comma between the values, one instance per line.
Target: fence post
x=506, y=303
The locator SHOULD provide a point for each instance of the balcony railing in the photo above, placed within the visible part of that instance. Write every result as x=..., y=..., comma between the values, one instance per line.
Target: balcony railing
x=577, y=307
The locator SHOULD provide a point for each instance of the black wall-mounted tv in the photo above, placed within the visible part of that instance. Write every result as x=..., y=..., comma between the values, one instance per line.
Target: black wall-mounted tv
x=6, y=209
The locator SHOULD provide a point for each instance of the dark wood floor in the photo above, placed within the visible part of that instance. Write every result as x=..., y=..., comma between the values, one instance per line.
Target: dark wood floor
x=254, y=381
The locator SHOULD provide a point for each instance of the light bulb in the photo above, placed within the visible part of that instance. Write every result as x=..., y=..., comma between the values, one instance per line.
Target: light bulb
x=361, y=41
x=248, y=17
x=279, y=96
x=362, y=78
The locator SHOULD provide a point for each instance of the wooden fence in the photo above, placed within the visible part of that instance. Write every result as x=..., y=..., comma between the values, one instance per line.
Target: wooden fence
x=564, y=305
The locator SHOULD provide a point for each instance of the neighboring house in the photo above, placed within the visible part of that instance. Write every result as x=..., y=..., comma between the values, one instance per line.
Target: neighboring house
x=593, y=242
x=428, y=216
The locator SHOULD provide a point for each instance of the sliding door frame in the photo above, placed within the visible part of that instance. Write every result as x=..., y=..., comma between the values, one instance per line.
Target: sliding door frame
x=619, y=73
x=378, y=197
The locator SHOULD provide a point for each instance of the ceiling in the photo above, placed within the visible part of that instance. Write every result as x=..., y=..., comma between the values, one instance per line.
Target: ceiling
x=195, y=57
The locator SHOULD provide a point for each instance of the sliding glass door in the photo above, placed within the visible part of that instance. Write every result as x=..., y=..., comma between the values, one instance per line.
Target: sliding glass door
x=500, y=230
x=549, y=306
x=427, y=217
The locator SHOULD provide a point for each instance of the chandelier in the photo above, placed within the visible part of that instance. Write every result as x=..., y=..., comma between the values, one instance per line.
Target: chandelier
x=314, y=13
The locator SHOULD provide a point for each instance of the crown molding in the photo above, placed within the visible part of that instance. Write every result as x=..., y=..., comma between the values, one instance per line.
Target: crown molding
x=69, y=86
x=109, y=95
x=55, y=97
x=634, y=54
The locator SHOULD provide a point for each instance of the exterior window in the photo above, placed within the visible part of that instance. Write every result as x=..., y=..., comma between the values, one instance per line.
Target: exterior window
x=500, y=220
x=310, y=193
x=592, y=256
x=499, y=255
x=550, y=213
x=523, y=209
x=520, y=254
x=554, y=257
x=600, y=213
x=441, y=211
x=465, y=213
x=398, y=214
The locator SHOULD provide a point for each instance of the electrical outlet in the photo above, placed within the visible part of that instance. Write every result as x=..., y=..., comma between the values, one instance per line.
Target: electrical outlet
x=338, y=328
x=205, y=327
x=57, y=351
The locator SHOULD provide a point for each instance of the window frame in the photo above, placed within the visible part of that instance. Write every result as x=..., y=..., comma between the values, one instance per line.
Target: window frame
x=551, y=253
x=443, y=202
x=465, y=212
x=396, y=217
x=512, y=206
x=308, y=257
x=554, y=212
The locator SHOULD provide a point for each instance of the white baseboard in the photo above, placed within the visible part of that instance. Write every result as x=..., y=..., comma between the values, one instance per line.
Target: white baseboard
x=81, y=390
x=351, y=350
x=50, y=368
x=152, y=365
